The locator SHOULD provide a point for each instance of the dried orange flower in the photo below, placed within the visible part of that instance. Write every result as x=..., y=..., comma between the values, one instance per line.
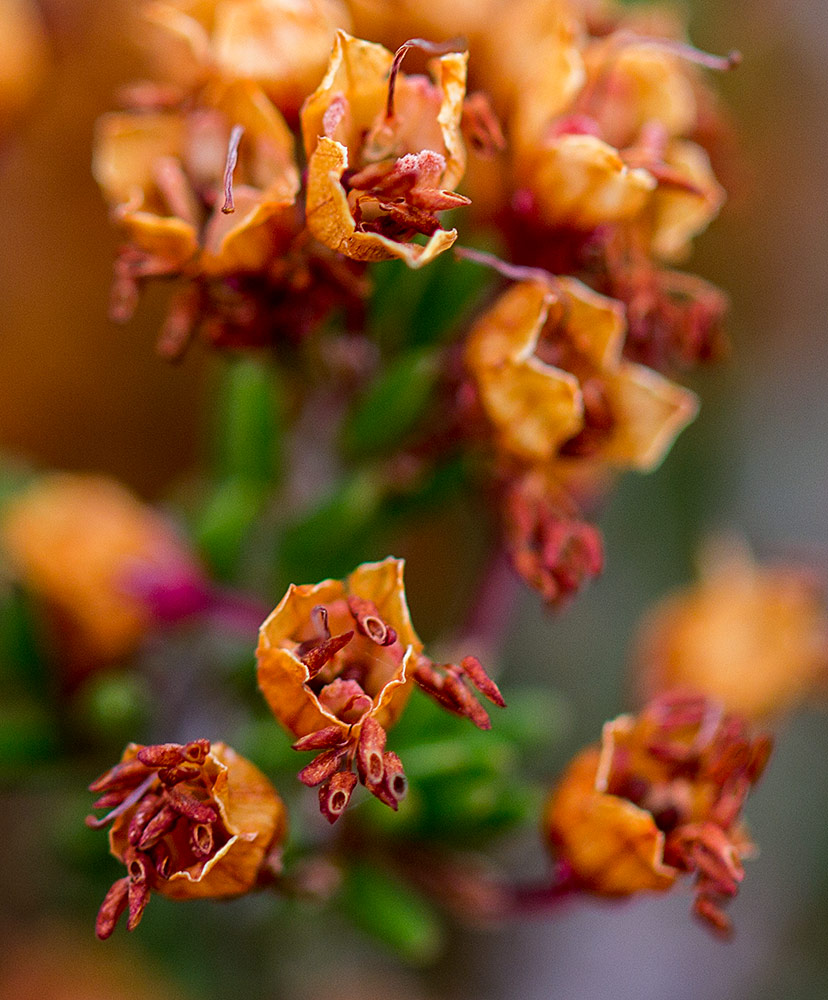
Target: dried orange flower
x=337, y=663
x=753, y=637
x=197, y=189
x=282, y=45
x=547, y=362
x=613, y=145
x=106, y=564
x=384, y=153
x=205, y=190
x=188, y=821
x=660, y=797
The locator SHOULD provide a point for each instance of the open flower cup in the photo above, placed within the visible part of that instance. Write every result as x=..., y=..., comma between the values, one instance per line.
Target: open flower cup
x=188, y=821
x=337, y=663
x=547, y=360
x=384, y=153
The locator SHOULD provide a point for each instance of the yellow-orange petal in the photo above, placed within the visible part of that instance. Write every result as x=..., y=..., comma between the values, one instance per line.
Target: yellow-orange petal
x=283, y=45
x=613, y=847
x=649, y=413
x=595, y=324
x=678, y=214
x=127, y=148
x=358, y=72
x=533, y=406
x=581, y=181
x=640, y=85
x=177, y=43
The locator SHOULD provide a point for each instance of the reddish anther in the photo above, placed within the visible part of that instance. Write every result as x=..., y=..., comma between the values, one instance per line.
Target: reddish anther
x=316, y=658
x=394, y=786
x=709, y=910
x=147, y=808
x=369, y=623
x=162, y=755
x=108, y=800
x=202, y=840
x=181, y=772
x=464, y=701
x=121, y=776
x=322, y=739
x=322, y=767
x=473, y=669
x=159, y=826
x=369, y=754
x=162, y=859
x=114, y=904
x=335, y=794
x=138, y=895
x=190, y=807
x=196, y=751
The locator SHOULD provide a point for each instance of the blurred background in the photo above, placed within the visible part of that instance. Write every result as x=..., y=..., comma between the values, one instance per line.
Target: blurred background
x=83, y=394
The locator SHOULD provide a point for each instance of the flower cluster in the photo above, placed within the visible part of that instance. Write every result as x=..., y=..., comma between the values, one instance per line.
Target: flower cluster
x=201, y=170
x=583, y=143
x=660, y=797
x=753, y=637
x=273, y=160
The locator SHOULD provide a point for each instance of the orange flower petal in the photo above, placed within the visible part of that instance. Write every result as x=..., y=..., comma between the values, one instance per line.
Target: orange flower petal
x=613, y=847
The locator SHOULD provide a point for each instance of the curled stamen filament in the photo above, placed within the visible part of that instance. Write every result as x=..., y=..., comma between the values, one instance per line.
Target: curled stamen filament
x=232, y=159
x=432, y=48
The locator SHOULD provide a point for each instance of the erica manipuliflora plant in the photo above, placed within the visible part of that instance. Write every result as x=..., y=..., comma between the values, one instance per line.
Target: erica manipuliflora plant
x=433, y=252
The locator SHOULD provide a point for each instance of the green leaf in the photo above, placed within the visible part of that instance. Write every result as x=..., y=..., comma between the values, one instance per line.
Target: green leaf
x=226, y=521
x=390, y=911
x=249, y=424
x=330, y=539
x=21, y=656
x=393, y=404
x=27, y=736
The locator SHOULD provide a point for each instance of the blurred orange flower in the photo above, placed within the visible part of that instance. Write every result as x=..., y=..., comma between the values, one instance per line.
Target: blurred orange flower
x=165, y=174
x=384, y=153
x=107, y=566
x=282, y=45
x=23, y=58
x=188, y=821
x=753, y=637
x=660, y=797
